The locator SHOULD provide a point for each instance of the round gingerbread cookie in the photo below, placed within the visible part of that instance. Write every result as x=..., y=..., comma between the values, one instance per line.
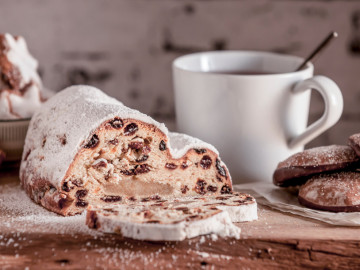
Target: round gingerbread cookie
x=336, y=192
x=354, y=142
x=296, y=169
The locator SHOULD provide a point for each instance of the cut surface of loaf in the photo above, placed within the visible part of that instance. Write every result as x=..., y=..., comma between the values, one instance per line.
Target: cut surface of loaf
x=84, y=147
x=175, y=219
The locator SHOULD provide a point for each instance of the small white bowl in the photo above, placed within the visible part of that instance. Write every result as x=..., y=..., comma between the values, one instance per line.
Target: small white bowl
x=12, y=137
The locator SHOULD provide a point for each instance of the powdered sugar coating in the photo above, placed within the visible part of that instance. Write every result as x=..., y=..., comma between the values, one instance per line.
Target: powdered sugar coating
x=181, y=143
x=337, y=189
x=322, y=155
x=73, y=114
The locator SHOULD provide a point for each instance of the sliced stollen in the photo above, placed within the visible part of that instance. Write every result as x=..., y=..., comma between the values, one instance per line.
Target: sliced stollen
x=84, y=147
x=336, y=192
x=176, y=219
x=296, y=169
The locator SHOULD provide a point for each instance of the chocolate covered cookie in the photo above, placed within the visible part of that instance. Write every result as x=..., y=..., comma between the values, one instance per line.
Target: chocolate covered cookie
x=296, y=169
x=336, y=192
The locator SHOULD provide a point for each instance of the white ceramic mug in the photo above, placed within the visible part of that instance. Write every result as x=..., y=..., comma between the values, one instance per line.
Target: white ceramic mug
x=255, y=121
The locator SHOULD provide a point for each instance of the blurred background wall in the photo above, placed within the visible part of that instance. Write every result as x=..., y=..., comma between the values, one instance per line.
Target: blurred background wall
x=126, y=47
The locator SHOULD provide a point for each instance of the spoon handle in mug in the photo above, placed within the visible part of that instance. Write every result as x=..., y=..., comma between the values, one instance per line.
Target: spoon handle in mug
x=333, y=100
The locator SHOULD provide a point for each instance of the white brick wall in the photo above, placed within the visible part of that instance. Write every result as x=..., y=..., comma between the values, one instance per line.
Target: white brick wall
x=126, y=47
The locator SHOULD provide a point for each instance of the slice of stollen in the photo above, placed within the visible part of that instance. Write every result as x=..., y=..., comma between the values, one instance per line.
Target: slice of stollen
x=175, y=220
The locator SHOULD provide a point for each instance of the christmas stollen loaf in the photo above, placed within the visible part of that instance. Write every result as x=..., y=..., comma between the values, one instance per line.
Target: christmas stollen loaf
x=175, y=219
x=86, y=148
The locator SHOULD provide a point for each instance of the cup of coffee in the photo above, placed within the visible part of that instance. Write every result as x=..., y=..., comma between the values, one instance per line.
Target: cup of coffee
x=253, y=106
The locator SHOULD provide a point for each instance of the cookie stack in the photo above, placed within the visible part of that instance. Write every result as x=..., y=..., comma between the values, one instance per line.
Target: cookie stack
x=328, y=176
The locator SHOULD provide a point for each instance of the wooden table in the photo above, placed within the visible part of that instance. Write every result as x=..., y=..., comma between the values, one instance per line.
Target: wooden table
x=275, y=241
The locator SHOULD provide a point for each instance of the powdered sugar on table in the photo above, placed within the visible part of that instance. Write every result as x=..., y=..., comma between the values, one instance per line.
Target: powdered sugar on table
x=23, y=215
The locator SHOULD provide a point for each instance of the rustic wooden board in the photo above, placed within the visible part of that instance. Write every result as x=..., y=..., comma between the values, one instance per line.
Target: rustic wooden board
x=275, y=241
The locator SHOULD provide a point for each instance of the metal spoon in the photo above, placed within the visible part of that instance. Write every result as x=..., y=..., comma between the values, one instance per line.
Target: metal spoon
x=318, y=49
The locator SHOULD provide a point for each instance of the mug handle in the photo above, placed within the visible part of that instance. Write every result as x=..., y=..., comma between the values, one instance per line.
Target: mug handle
x=333, y=100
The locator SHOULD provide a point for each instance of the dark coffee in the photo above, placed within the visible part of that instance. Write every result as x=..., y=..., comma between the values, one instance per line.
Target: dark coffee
x=244, y=72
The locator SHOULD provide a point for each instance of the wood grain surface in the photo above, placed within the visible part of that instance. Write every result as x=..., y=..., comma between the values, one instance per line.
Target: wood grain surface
x=275, y=241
